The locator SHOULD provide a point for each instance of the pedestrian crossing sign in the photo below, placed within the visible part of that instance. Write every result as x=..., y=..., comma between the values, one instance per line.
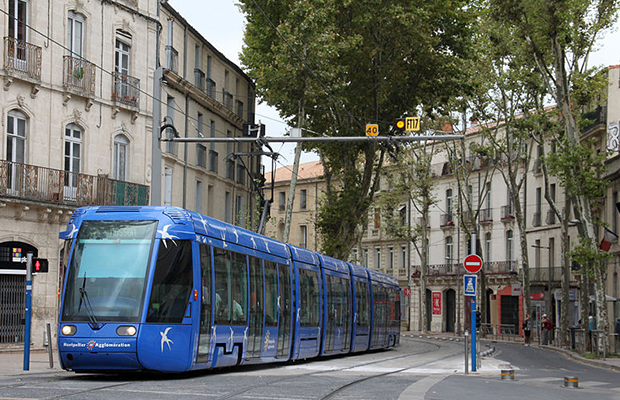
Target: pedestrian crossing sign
x=469, y=282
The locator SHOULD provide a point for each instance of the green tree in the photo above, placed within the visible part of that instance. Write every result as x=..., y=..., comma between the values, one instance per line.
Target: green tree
x=352, y=63
x=412, y=182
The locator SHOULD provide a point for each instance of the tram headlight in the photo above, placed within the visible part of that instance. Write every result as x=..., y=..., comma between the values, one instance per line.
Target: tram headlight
x=126, y=330
x=68, y=330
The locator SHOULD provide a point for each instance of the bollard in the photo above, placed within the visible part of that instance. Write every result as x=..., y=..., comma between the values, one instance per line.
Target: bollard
x=571, y=381
x=508, y=374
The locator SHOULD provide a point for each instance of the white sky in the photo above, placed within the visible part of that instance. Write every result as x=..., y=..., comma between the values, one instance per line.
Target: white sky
x=222, y=24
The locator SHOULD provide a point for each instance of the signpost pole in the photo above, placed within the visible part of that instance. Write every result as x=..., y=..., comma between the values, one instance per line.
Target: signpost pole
x=473, y=334
x=28, y=312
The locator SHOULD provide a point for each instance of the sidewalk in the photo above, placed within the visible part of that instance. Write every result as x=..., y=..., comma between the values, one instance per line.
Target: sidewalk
x=609, y=363
x=12, y=363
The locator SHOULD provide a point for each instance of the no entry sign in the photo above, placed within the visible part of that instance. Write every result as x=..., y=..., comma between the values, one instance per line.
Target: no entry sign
x=473, y=263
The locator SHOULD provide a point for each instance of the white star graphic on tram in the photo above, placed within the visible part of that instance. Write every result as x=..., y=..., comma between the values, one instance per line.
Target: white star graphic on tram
x=167, y=236
x=165, y=339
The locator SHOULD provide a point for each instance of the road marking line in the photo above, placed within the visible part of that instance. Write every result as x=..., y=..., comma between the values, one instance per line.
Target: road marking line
x=418, y=389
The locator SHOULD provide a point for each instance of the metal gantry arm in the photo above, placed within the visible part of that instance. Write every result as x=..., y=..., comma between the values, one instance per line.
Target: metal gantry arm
x=322, y=139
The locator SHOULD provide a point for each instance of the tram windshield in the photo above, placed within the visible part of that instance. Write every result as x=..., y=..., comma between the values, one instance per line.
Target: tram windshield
x=107, y=274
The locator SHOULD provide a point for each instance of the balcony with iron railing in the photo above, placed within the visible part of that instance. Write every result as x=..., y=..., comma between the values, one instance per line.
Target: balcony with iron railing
x=507, y=213
x=542, y=275
x=486, y=216
x=211, y=88
x=79, y=76
x=453, y=269
x=213, y=161
x=446, y=221
x=537, y=219
x=126, y=90
x=47, y=185
x=199, y=80
x=22, y=59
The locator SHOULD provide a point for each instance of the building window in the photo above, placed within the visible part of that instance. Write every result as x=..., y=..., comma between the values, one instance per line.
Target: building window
x=303, y=232
x=240, y=211
x=16, y=137
x=487, y=254
x=227, y=207
x=449, y=252
x=75, y=34
x=391, y=258
x=198, y=197
x=402, y=212
x=303, y=199
x=18, y=22
x=73, y=150
x=282, y=201
x=170, y=146
x=449, y=204
x=365, y=260
x=15, y=147
x=167, y=186
x=120, y=157
x=377, y=218
x=403, y=257
x=201, y=155
x=377, y=258
x=121, y=64
x=509, y=245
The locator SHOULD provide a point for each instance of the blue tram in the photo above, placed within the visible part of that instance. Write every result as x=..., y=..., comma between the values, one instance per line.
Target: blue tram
x=167, y=289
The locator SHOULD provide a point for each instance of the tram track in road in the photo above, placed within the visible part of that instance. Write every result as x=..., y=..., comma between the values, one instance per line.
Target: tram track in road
x=118, y=386
x=340, y=389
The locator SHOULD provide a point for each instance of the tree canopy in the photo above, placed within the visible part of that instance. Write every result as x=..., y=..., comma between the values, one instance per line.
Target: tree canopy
x=340, y=64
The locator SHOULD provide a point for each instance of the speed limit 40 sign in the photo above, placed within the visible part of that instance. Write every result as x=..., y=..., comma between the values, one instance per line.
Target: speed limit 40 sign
x=372, y=129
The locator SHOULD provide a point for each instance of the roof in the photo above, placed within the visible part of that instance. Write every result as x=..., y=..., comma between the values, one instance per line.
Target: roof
x=309, y=170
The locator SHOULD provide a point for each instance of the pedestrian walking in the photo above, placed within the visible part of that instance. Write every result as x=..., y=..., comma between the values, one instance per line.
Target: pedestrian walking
x=527, y=329
x=547, y=330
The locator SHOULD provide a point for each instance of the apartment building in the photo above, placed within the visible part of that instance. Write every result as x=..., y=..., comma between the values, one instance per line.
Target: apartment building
x=203, y=94
x=77, y=120
x=309, y=188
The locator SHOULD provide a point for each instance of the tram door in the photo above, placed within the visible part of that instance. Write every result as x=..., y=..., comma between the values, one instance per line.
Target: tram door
x=255, y=333
x=285, y=308
x=204, y=338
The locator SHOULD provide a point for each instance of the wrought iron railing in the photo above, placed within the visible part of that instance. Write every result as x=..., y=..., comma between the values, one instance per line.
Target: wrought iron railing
x=453, y=269
x=199, y=80
x=79, y=76
x=126, y=90
x=211, y=86
x=22, y=58
x=42, y=184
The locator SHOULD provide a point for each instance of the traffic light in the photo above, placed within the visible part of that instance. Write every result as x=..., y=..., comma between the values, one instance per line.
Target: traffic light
x=40, y=265
x=478, y=319
x=399, y=126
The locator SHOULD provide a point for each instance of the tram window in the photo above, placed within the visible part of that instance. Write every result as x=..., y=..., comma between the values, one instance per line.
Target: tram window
x=361, y=298
x=309, y=297
x=231, y=283
x=271, y=294
x=172, y=282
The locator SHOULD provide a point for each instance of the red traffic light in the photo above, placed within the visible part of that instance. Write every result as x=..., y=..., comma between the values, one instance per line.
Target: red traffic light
x=40, y=265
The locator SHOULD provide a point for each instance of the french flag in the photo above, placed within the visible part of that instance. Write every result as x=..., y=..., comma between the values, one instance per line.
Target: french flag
x=608, y=239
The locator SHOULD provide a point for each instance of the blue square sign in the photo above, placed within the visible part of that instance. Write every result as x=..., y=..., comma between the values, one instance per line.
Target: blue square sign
x=469, y=282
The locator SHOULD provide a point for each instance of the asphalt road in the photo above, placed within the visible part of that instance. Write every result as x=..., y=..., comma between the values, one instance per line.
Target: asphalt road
x=418, y=369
